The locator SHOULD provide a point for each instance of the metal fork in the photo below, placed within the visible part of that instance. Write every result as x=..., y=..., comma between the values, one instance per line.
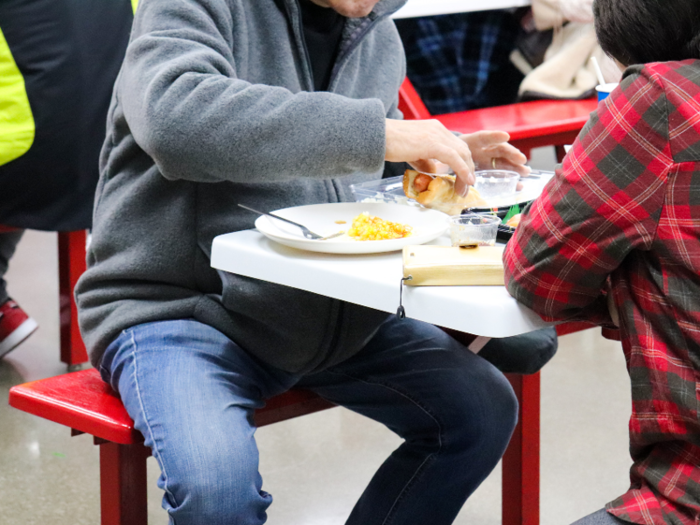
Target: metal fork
x=304, y=230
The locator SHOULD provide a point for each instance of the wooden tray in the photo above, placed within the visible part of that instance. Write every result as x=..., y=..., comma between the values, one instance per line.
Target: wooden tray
x=430, y=265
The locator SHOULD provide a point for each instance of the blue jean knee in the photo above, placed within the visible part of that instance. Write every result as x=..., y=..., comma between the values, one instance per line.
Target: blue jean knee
x=192, y=393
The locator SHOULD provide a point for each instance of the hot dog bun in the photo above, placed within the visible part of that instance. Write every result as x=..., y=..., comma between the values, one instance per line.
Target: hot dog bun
x=440, y=194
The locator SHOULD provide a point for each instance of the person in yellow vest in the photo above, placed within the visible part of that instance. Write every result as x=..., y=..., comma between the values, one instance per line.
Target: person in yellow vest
x=58, y=62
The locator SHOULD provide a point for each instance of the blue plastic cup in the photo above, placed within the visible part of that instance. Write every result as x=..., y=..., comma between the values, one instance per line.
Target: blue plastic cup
x=605, y=89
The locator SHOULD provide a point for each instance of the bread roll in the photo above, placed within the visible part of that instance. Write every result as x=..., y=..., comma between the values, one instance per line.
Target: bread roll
x=440, y=193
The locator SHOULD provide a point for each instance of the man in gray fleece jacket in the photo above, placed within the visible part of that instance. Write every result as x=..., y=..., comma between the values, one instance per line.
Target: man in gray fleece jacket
x=217, y=103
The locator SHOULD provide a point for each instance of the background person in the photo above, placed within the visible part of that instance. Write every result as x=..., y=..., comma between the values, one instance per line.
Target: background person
x=461, y=61
x=58, y=63
x=615, y=239
x=565, y=69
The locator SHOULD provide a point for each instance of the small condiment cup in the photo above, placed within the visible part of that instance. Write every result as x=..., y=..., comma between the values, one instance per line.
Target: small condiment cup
x=473, y=229
x=492, y=184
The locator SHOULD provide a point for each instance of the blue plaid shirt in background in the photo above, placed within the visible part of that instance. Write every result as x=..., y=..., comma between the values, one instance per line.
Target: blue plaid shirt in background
x=461, y=61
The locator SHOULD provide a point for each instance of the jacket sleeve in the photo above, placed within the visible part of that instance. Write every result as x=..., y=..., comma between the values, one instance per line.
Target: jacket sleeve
x=186, y=107
x=604, y=202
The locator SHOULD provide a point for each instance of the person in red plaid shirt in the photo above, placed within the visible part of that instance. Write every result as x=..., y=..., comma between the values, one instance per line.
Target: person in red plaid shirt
x=619, y=225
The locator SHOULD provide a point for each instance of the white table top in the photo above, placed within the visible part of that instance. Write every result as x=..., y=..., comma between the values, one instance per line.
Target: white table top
x=373, y=280
x=415, y=8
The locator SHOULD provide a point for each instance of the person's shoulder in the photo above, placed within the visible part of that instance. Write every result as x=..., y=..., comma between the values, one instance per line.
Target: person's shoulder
x=669, y=76
x=680, y=83
x=661, y=80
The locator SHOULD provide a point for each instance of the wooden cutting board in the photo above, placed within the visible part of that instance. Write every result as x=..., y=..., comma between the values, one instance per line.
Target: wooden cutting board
x=448, y=265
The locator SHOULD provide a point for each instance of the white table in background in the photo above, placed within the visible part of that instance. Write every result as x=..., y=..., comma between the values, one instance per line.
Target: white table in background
x=415, y=8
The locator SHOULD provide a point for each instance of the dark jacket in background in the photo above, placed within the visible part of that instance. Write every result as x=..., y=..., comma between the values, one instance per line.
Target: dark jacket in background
x=68, y=53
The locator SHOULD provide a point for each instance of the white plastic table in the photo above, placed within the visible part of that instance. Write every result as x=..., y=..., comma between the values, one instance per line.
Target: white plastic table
x=415, y=8
x=374, y=281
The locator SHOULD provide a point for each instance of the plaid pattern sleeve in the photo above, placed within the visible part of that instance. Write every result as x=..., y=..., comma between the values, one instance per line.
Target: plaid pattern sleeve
x=623, y=212
x=604, y=202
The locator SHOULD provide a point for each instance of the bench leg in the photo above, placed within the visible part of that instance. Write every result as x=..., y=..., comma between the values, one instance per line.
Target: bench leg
x=521, y=462
x=123, y=494
x=560, y=152
x=71, y=265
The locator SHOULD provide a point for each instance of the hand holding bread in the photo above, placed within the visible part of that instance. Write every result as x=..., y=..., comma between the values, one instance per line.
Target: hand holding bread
x=422, y=142
x=438, y=192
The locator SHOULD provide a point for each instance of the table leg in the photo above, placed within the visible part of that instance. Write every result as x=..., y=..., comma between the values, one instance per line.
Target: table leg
x=71, y=265
x=560, y=152
x=521, y=462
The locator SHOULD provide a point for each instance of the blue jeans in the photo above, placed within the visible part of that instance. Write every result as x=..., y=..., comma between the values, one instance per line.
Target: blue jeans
x=601, y=517
x=192, y=391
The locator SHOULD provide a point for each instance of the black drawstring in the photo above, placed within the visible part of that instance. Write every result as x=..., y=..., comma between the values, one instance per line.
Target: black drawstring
x=401, y=312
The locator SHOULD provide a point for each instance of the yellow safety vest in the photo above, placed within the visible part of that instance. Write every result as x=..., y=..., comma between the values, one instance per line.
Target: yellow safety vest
x=16, y=121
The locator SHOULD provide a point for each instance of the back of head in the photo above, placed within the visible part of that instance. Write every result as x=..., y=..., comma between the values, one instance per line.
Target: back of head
x=643, y=31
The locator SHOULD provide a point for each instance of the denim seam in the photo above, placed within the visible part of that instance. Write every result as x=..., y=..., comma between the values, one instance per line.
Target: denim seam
x=388, y=519
x=404, y=492
x=154, y=450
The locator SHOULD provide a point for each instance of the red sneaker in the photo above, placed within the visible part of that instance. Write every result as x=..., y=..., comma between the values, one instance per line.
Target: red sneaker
x=15, y=326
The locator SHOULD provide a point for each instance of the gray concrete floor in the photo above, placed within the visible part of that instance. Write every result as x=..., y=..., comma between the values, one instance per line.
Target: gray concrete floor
x=315, y=466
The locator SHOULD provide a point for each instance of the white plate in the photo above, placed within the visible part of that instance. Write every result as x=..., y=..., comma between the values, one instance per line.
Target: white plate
x=321, y=218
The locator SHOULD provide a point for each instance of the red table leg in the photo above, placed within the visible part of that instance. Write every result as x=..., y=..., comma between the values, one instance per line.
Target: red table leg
x=123, y=487
x=71, y=265
x=521, y=462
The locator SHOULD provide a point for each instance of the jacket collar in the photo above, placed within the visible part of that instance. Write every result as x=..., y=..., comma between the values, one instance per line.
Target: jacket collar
x=383, y=7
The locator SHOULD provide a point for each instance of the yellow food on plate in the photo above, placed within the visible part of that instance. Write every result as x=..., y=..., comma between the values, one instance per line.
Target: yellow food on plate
x=366, y=227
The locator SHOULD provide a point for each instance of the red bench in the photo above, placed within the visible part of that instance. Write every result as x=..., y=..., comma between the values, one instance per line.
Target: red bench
x=83, y=402
x=86, y=404
x=530, y=124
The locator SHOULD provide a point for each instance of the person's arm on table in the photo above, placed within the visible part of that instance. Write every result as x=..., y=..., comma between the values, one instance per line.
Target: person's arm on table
x=603, y=203
x=190, y=112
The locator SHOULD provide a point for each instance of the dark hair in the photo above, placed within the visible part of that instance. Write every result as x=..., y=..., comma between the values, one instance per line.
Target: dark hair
x=642, y=31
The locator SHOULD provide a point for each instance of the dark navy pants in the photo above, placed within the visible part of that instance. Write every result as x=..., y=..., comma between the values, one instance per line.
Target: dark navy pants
x=8, y=243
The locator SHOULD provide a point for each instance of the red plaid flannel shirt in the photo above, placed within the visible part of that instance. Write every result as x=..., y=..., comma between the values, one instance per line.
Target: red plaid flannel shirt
x=623, y=213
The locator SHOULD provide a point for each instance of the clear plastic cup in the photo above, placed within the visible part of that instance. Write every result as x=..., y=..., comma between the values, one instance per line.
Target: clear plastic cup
x=492, y=184
x=474, y=229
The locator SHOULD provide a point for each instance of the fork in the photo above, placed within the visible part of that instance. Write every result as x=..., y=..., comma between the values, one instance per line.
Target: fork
x=304, y=230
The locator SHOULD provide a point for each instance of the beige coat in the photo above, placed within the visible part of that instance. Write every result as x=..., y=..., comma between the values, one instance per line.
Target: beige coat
x=567, y=70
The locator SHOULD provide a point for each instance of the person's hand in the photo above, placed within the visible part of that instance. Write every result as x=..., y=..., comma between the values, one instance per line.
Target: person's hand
x=490, y=150
x=423, y=142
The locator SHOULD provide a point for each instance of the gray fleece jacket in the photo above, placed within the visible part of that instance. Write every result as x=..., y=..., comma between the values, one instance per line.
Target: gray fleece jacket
x=214, y=105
